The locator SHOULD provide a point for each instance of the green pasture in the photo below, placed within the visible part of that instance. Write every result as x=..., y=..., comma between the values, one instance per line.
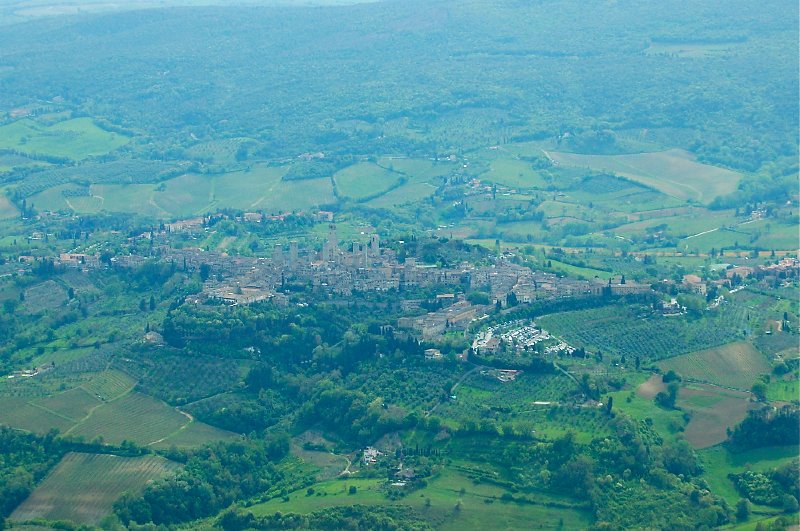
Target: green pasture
x=668, y=423
x=784, y=391
x=417, y=170
x=673, y=172
x=579, y=272
x=410, y=192
x=74, y=139
x=683, y=224
x=719, y=461
x=260, y=188
x=480, y=505
x=83, y=487
x=513, y=173
x=363, y=180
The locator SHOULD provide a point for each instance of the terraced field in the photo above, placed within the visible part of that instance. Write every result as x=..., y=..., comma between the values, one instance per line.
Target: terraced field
x=84, y=487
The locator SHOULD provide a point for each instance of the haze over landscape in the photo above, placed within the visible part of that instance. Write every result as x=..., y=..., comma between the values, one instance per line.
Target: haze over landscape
x=399, y=265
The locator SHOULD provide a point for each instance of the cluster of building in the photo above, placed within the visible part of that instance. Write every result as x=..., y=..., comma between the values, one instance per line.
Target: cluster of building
x=518, y=336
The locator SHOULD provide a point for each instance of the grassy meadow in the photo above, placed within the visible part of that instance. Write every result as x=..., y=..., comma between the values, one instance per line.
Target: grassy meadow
x=75, y=139
x=480, y=505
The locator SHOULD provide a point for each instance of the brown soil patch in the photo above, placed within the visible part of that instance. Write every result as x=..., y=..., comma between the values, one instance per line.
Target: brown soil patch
x=713, y=410
x=651, y=387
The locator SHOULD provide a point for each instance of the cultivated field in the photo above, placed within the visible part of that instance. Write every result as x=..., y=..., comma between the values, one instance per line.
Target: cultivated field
x=514, y=174
x=83, y=487
x=134, y=417
x=74, y=139
x=103, y=406
x=193, y=194
x=673, y=172
x=713, y=410
x=733, y=365
x=7, y=208
x=109, y=385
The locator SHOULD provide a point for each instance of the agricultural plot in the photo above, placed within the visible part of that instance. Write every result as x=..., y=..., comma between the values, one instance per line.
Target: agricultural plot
x=177, y=380
x=7, y=208
x=135, y=417
x=74, y=139
x=186, y=195
x=418, y=170
x=364, y=180
x=673, y=172
x=713, y=411
x=45, y=296
x=17, y=412
x=784, y=390
x=622, y=331
x=407, y=193
x=194, y=434
x=84, y=487
x=74, y=404
x=109, y=385
x=191, y=194
x=733, y=365
x=262, y=189
x=514, y=174
x=683, y=224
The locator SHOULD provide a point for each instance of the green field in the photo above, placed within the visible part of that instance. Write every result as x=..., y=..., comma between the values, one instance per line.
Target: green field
x=673, y=172
x=135, y=417
x=83, y=487
x=363, y=180
x=192, y=194
x=718, y=462
x=104, y=407
x=513, y=174
x=480, y=507
x=74, y=139
x=736, y=365
x=74, y=404
x=109, y=385
x=784, y=391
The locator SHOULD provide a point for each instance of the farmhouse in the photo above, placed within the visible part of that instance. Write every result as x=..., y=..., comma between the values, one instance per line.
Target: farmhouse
x=433, y=354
